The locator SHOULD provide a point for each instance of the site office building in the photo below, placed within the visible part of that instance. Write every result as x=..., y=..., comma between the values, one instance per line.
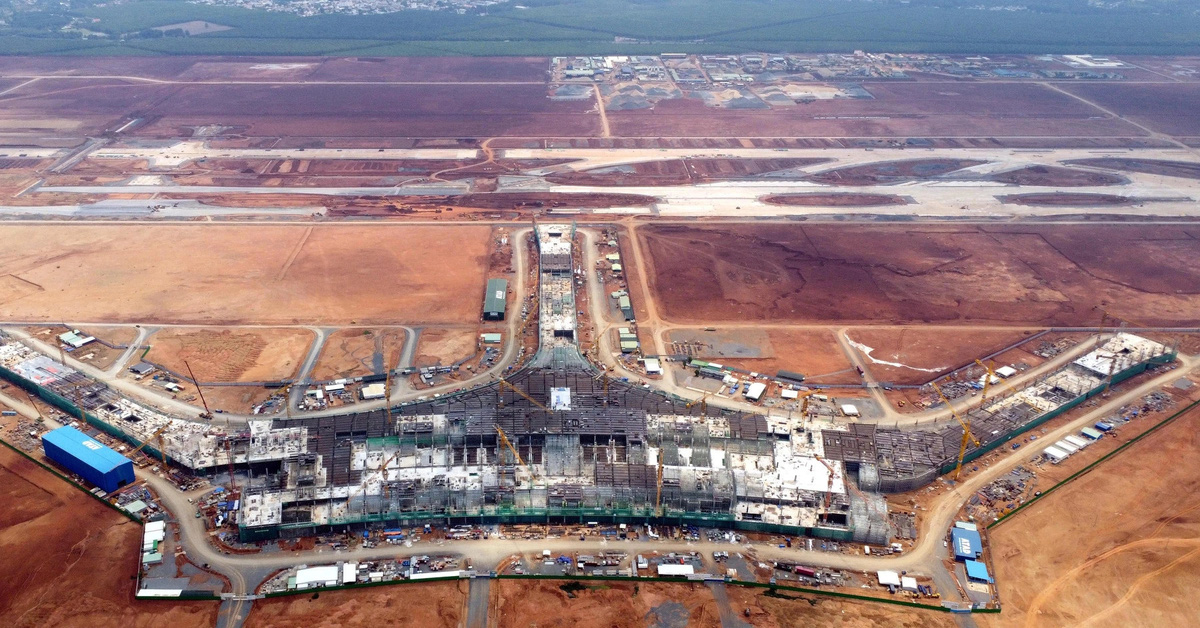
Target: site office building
x=87, y=458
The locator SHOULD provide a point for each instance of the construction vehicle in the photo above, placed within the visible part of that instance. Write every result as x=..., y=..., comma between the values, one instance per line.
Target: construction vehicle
x=967, y=435
x=207, y=414
x=504, y=383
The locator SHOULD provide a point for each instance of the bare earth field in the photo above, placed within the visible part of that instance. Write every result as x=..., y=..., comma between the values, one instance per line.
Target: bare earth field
x=434, y=604
x=814, y=353
x=445, y=346
x=355, y=352
x=242, y=274
x=937, y=351
x=489, y=97
x=1166, y=108
x=1033, y=275
x=1118, y=547
x=54, y=540
x=524, y=604
x=897, y=110
x=519, y=604
x=820, y=612
x=240, y=355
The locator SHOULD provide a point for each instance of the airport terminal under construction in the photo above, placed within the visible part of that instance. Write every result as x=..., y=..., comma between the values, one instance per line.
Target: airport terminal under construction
x=558, y=440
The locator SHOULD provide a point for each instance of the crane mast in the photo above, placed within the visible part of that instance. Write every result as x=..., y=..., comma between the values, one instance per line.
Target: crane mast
x=967, y=435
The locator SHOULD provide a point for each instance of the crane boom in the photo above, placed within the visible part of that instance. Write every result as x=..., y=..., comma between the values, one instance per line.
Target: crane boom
x=658, y=493
x=703, y=401
x=155, y=435
x=967, y=435
x=507, y=443
x=987, y=382
x=505, y=383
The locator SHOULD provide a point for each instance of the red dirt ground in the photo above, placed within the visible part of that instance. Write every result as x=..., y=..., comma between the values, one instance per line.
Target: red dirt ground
x=1167, y=107
x=898, y=110
x=1042, y=275
x=680, y=171
x=926, y=348
x=814, y=353
x=883, y=173
x=1052, y=176
x=1117, y=547
x=368, y=110
x=1066, y=200
x=334, y=274
x=1149, y=166
x=834, y=200
x=54, y=541
x=432, y=605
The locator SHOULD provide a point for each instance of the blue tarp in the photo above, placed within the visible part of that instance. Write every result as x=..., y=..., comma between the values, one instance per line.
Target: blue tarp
x=977, y=571
x=967, y=544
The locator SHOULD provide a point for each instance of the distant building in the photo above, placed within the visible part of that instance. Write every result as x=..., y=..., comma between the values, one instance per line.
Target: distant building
x=87, y=458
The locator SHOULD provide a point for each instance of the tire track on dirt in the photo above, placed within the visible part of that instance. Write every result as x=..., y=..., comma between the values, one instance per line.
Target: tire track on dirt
x=1137, y=585
x=294, y=254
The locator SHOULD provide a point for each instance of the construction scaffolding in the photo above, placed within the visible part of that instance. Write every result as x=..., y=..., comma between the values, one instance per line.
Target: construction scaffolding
x=891, y=460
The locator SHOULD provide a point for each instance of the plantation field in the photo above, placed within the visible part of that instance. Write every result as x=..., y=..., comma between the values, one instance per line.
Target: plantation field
x=562, y=27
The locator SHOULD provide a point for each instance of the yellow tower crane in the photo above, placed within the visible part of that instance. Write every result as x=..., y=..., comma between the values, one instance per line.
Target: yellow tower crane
x=806, y=397
x=987, y=381
x=517, y=455
x=828, y=488
x=703, y=401
x=658, y=493
x=504, y=383
x=156, y=435
x=967, y=435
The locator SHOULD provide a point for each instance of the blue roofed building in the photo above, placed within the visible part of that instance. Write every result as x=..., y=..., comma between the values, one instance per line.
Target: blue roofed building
x=967, y=544
x=977, y=571
x=87, y=458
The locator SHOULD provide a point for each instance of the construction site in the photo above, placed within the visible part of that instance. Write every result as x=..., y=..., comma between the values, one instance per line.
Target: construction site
x=595, y=339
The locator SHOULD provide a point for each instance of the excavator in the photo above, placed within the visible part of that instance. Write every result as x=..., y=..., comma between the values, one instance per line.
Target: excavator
x=967, y=435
